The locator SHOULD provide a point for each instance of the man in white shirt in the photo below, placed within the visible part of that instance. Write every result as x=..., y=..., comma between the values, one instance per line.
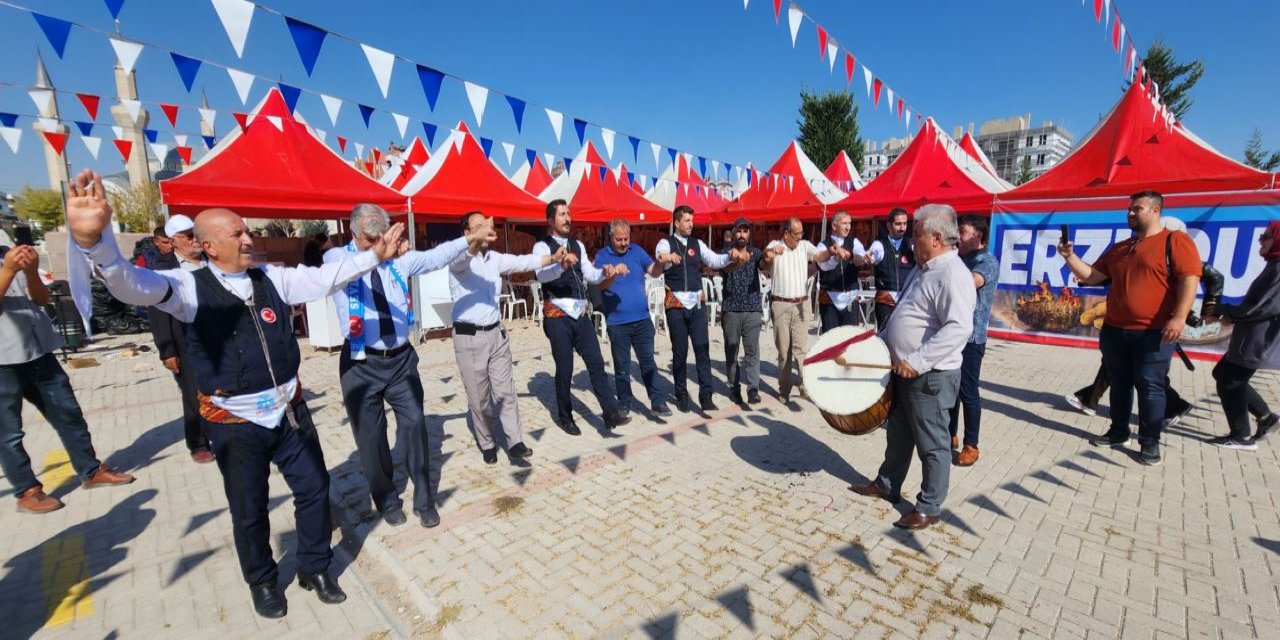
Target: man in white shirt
x=894, y=261
x=926, y=337
x=838, y=276
x=480, y=342
x=565, y=320
x=379, y=365
x=787, y=262
x=682, y=258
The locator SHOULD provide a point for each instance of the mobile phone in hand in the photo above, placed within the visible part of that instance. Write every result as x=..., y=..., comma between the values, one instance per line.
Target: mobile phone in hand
x=1066, y=235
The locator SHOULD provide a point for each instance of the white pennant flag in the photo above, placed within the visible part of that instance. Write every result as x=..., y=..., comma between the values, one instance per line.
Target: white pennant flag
x=1106, y=14
x=866, y=73
x=402, y=123
x=235, y=16
x=320, y=135
x=508, y=149
x=794, y=15
x=381, y=62
x=889, y=94
x=276, y=122
x=715, y=168
x=92, y=144
x=243, y=82
x=180, y=139
x=557, y=123
x=907, y=120
x=657, y=149
x=12, y=136
x=133, y=107
x=359, y=150
x=477, y=96
x=744, y=4
x=607, y=136
x=832, y=50
x=550, y=159
x=126, y=52
x=48, y=124
x=42, y=99
x=118, y=132
x=332, y=106
x=160, y=150
x=207, y=116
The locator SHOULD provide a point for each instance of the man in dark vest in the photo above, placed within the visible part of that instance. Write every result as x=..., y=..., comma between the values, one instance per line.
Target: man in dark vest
x=838, y=276
x=241, y=347
x=565, y=320
x=682, y=258
x=894, y=260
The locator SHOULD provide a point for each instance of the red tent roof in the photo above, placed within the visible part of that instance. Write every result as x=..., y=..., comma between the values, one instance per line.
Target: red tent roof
x=538, y=179
x=680, y=185
x=844, y=173
x=794, y=187
x=932, y=169
x=416, y=156
x=459, y=178
x=970, y=146
x=600, y=198
x=267, y=171
x=1135, y=148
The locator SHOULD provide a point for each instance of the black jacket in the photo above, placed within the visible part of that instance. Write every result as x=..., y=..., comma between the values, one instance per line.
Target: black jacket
x=165, y=329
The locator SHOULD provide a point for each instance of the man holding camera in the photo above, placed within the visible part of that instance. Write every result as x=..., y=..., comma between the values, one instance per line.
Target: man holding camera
x=1153, y=277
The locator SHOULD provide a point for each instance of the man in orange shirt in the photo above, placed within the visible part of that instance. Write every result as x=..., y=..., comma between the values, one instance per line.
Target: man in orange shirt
x=1146, y=310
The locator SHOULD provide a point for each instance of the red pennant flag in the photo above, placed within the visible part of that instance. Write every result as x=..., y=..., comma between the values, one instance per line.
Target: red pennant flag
x=242, y=119
x=1115, y=33
x=377, y=154
x=777, y=10
x=900, y=106
x=90, y=103
x=1097, y=10
x=848, y=68
x=342, y=144
x=822, y=43
x=184, y=153
x=125, y=147
x=368, y=168
x=56, y=140
x=878, y=85
x=170, y=112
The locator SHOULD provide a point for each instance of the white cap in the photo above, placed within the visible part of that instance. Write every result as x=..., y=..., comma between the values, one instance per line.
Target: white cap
x=178, y=224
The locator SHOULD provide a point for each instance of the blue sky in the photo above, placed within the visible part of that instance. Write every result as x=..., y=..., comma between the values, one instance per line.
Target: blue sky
x=702, y=76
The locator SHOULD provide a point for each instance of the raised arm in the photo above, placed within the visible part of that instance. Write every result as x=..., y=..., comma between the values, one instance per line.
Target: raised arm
x=1085, y=273
x=711, y=258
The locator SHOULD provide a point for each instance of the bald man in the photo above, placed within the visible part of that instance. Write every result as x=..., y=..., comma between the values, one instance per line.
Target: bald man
x=241, y=347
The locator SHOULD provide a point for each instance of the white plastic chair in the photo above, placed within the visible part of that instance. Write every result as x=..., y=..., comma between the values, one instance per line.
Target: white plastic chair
x=510, y=302
x=602, y=325
x=535, y=288
x=712, y=299
x=657, y=297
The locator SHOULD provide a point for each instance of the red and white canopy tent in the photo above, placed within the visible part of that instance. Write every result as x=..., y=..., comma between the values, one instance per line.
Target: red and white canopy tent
x=399, y=174
x=596, y=193
x=970, y=146
x=844, y=174
x=459, y=178
x=275, y=168
x=794, y=187
x=680, y=185
x=532, y=178
x=932, y=169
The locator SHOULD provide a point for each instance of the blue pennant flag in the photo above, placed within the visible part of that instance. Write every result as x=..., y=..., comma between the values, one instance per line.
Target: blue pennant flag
x=55, y=29
x=430, y=130
x=86, y=128
x=702, y=166
x=290, y=94
x=672, y=152
x=567, y=163
x=728, y=171
x=307, y=38
x=152, y=135
x=580, y=126
x=631, y=178
x=209, y=141
x=487, y=145
x=635, y=148
x=114, y=7
x=517, y=110
x=431, y=81
x=531, y=156
x=187, y=68
x=750, y=175
x=365, y=112
x=604, y=171
x=9, y=119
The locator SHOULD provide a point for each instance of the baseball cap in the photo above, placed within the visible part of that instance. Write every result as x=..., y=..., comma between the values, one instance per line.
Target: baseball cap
x=178, y=224
x=741, y=222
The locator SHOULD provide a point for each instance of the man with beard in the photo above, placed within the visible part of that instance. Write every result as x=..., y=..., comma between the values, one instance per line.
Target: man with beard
x=838, y=276
x=894, y=261
x=565, y=321
x=743, y=315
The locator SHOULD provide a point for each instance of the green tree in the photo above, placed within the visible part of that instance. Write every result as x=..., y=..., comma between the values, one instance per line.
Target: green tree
x=138, y=208
x=43, y=206
x=828, y=125
x=1257, y=157
x=1024, y=171
x=309, y=228
x=1174, y=80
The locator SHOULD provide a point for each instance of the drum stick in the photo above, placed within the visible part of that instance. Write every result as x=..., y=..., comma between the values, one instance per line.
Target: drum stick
x=865, y=365
x=837, y=349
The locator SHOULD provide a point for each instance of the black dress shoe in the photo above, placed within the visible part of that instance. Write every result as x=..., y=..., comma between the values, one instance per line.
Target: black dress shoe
x=429, y=518
x=735, y=396
x=684, y=405
x=520, y=450
x=325, y=587
x=661, y=409
x=490, y=455
x=394, y=517
x=707, y=405
x=753, y=396
x=569, y=427
x=617, y=419
x=268, y=601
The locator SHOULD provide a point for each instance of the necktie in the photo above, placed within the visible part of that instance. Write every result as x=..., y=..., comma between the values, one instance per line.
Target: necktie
x=385, y=325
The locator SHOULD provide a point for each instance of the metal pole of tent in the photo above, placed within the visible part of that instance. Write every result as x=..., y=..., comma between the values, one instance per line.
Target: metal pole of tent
x=413, y=281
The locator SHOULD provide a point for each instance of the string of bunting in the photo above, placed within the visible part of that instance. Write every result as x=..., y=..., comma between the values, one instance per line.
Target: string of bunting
x=1120, y=38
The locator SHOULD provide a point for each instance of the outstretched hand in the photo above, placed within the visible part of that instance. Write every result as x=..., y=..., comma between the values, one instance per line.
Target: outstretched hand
x=481, y=233
x=88, y=213
x=388, y=244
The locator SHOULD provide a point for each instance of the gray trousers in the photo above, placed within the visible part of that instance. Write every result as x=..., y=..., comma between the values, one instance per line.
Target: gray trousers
x=484, y=362
x=742, y=329
x=791, y=337
x=921, y=420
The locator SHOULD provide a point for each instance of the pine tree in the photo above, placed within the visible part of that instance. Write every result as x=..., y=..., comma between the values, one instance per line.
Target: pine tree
x=1024, y=171
x=828, y=125
x=1173, y=80
x=1257, y=157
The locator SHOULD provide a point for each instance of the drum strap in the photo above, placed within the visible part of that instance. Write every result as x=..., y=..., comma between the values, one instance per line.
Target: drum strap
x=836, y=350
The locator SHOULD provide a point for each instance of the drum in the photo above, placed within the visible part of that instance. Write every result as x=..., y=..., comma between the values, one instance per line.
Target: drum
x=853, y=399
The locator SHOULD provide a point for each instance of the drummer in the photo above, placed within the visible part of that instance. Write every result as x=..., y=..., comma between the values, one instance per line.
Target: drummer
x=926, y=336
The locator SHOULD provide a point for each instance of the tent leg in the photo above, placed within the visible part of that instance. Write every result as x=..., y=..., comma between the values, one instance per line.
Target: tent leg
x=413, y=286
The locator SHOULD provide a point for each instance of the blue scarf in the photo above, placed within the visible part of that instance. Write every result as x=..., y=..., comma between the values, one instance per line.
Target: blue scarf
x=355, y=305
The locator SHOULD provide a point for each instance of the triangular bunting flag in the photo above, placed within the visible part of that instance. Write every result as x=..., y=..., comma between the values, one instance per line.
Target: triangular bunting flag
x=549, y=160
x=126, y=52
x=794, y=16
x=517, y=112
x=243, y=83
x=702, y=166
x=365, y=112
x=42, y=98
x=48, y=124
x=207, y=116
x=878, y=84
x=12, y=136
x=848, y=68
x=656, y=149
x=151, y=134
x=377, y=155
x=125, y=147
x=568, y=162
x=55, y=30
x=114, y=7
x=187, y=68
x=368, y=168
x=332, y=106
x=290, y=94
x=180, y=139
x=715, y=168
x=557, y=122
x=530, y=155
x=236, y=15
x=381, y=62
x=118, y=132
x=170, y=113
x=277, y=122
x=777, y=9
x=889, y=93
x=477, y=96
x=603, y=171
x=907, y=119
x=184, y=153
x=402, y=123
x=580, y=126
x=133, y=107
x=822, y=42
x=242, y=119
x=90, y=103
x=86, y=128
x=635, y=148
x=672, y=153
x=92, y=144
x=1115, y=34
x=56, y=140
x=342, y=144
x=359, y=150
x=321, y=135
x=8, y=119
x=606, y=135
x=508, y=149
x=430, y=130
x=487, y=145
x=866, y=75
x=901, y=104
x=431, y=81
x=307, y=39
x=832, y=50
x=209, y=141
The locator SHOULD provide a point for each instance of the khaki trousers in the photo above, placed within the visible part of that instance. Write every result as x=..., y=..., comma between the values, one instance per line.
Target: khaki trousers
x=791, y=337
x=484, y=362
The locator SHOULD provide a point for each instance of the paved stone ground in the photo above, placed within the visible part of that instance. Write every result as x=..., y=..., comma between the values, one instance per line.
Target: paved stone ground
x=734, y=524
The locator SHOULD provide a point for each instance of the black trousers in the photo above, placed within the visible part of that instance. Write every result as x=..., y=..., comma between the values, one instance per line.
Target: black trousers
x=686, y=326
x=1174, y=404
x=1239, y=398
x=568, y=335
x=244, y=453
x=191, y=427
x=883, y=311
x=368, y=384
x=829, y=317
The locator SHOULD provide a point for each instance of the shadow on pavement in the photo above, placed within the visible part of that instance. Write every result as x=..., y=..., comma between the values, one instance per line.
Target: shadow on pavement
x=788, y=449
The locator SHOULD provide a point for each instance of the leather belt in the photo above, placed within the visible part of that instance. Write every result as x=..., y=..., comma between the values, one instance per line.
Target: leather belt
x=790, y=300
x=468, y=329
x=382, y=353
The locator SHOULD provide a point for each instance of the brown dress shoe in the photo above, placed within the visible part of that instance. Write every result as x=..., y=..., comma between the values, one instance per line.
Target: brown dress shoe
x=955, y=443
x=915, y=520
x=35, y=500
x=967, y=456
x=106, y=476
x=202, y=456
x=874, y=490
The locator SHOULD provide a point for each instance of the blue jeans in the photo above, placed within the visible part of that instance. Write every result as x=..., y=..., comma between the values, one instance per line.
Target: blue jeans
x=969, y=400
x=44, y=384
x=623, y=338
x=1136, y=359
